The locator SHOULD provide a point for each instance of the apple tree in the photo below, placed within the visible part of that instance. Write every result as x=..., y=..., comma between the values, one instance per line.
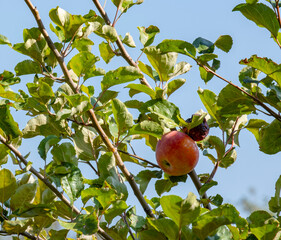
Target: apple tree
x=79, y=123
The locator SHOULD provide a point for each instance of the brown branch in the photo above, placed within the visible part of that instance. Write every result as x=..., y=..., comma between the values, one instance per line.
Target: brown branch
x=119, y=43
x=259, y=102
x=139, y=158
x=47, y=183
x=198, y=185
x=231, y=136
x=278, y=12
x=91, y=113
x=25, y=234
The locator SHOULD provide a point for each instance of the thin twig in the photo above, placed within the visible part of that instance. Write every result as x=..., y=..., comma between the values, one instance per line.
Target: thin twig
x=117, y=10
x=139, y=158
x=231, y=136
x=259, y=102
x=25, y=234
x=278, y=12
x=91, y=113
x=48, y=183
x=128, y=226
x=119, y=43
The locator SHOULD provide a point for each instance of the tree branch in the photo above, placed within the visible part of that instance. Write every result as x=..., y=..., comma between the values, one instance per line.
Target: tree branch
x=198, y=185
x=91, y=113
x=119, y=43
x=25, y=234
x=259, y=102
x=139, y=158
x=47, y=182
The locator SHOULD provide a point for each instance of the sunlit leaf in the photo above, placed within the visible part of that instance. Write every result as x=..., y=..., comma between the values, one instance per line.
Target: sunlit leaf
x=8, y=184
x=224, y=43
x=120, y=75
x=260, y=14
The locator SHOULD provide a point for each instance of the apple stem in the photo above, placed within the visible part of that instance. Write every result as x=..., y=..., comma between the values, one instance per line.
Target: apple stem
x=194, y=177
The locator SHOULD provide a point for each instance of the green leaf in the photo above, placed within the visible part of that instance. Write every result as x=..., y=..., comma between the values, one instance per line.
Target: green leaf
x=83, y=143
x=163, y=185
x=5, y=93
x=147, y=70
x=8, y=184
x=45, y=126
x=27, y=67
x=46, y=144
x=84, y=224
x=270, y=138
x=23, y=196
x=16, y=226
x=229, y=159
x=143, y=178
x=82, y=62
x=60, y=234
x=174, y=85
x=254, y=126
x=263, y=225
x=104, y=195
x=209, y=99
x=83, y=44
x=147, y=127
x=106, y=52
x=215, y=142
x=208, y=222
x=232, y=102
x=7, y=78
x=224, y=43
x=204, y=58
x=7, y=122
x=117, y=209
x=163, y=63
x=265, y=65
x=180, y=68
x=142, y=88
x=34, y=44
x=120, y=75
x=165, y=226
x=252, y=1
x=4, y=151
x=205, y=75
x=275, y=202
x=129, y=41
x=64, y=152
x=122, y=116
x=107, y=169
x=151, y=235
x=109, y=33
x=182, y=212
x=126, y=4
x=168, y=113
x=206, y=187
x=177, y=46
x=4, y=40
x=147, y=35
x=203, y=45
x=67, y=23
x=72, y=184
x=64, y=211
x=260, y=14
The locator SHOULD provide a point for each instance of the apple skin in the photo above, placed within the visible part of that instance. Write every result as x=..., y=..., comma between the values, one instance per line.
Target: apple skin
x=176, y=153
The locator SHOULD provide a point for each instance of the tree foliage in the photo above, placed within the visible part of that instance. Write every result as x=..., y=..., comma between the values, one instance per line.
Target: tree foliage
x=79, y=124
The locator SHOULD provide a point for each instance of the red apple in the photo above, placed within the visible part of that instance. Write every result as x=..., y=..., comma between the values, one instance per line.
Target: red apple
x=176, y=153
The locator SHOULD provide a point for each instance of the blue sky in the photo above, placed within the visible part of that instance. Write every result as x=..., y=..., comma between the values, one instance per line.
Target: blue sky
x=185, y=20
